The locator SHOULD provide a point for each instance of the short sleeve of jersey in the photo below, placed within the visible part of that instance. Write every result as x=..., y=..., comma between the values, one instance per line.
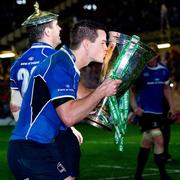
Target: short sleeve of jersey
x=63, y=81
x=13, y=84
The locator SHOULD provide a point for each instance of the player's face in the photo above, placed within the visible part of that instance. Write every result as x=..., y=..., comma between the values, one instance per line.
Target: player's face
x=98, y=48
x=56, y=33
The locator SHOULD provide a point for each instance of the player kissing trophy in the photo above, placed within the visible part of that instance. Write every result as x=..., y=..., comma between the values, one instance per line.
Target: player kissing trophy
x=125, y=59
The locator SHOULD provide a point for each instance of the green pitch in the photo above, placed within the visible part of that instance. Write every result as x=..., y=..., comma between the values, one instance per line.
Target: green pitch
x=100, y=158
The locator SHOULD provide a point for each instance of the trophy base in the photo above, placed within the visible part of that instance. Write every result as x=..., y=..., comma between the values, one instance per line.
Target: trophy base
x=98, y=124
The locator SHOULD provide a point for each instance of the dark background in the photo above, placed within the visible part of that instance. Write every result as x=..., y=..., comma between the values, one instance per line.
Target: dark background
x=127, y=16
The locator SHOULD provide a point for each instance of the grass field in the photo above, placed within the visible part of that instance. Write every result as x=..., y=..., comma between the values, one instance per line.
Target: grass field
x=100, y=158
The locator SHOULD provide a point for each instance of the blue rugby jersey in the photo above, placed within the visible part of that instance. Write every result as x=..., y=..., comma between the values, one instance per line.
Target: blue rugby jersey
x=151, y=84
x=56, y=77
x=25, y=65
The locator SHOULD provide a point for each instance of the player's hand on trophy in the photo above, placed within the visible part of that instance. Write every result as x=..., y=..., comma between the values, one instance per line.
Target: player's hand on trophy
x=113, y=36
x=108, y=87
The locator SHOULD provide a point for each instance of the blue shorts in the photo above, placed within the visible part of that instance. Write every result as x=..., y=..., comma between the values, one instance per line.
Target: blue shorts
x=36, y=161
x=68, y=146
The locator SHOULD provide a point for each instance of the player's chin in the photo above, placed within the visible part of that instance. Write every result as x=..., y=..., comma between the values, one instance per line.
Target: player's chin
x=100, y=59
x=60, y=41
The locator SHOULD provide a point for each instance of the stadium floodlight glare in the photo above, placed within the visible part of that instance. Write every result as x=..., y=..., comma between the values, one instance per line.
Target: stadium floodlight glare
x=171, y=85
x=164, y=45
x=7, y=54
x=90, y=7
x=20, y=2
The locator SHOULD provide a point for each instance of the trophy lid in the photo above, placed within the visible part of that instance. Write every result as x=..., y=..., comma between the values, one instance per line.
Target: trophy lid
x=39, y=17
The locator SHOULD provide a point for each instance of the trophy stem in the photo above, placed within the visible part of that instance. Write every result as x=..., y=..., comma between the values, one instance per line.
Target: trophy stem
x=102, y=106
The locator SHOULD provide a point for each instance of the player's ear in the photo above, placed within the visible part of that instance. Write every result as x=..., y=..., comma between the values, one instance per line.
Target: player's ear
x=47, y=31
x=85, y=44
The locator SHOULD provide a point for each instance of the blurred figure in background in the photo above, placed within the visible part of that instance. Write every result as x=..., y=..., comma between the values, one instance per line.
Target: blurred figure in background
x=4, y=94
x=151, y=88
x=164, y=17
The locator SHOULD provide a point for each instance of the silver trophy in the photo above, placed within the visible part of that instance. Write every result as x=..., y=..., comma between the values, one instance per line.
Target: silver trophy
x=125, y=60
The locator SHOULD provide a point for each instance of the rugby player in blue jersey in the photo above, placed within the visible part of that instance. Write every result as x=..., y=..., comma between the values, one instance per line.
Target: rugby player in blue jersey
x=44, y=34
x=147, y=101
x=50, y=103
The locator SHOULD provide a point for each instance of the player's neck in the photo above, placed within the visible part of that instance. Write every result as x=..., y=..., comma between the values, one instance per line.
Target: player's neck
x=81, y=58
